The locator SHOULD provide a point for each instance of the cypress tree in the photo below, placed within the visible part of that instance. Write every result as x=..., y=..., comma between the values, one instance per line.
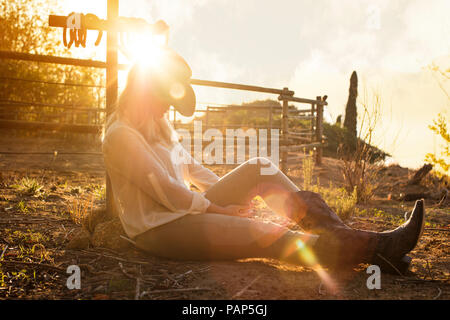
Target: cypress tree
x=350, y=109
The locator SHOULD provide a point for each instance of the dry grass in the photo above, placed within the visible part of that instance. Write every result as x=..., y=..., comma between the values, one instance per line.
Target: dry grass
x=35, y=256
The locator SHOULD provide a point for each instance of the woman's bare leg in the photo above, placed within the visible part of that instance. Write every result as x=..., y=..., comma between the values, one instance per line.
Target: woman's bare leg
x=250, y=179
x=212, y=236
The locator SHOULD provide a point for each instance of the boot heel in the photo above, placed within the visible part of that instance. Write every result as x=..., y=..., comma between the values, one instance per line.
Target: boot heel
x=394, y=267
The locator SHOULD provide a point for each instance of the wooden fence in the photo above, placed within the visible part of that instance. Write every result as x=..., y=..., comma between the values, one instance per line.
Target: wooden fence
x=291, y=141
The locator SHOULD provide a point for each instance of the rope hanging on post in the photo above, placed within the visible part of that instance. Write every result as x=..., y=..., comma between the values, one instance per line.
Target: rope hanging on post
x=76, y=22
x=92, y=17
x=79, y=23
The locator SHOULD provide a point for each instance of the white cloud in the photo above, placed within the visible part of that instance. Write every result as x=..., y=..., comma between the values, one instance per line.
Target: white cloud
x=389, y=44
x=174, y=12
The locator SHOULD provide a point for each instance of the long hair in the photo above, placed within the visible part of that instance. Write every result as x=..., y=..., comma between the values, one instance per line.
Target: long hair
x=153, y=130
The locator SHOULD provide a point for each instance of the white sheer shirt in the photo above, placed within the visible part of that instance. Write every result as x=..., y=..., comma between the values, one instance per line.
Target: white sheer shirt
x=150, y=183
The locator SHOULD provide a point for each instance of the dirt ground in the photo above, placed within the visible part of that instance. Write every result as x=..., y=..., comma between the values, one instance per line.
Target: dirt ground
x=35, y=229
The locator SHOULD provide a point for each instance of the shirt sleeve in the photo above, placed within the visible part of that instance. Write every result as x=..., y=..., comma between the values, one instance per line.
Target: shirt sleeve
x=129, y=155
x=203, y=178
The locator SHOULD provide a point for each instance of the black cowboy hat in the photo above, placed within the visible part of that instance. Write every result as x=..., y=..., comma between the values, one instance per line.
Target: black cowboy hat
x=169, y=76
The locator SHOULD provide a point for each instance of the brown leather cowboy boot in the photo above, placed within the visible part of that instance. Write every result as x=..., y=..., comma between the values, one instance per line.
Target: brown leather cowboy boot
x=312, y=213
x=341, y=245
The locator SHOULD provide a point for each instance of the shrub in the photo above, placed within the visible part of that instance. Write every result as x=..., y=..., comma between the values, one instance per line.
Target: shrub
x=29, y=186
x=339, y=199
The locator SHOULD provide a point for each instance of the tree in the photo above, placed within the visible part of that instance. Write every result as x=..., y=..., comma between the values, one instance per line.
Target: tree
x=339, y=120
x=439, y=126
x=441, y=160
x=350, y=109
x=24, y=28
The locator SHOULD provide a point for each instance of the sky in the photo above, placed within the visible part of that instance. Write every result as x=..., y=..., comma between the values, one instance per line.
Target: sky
x=312, y=47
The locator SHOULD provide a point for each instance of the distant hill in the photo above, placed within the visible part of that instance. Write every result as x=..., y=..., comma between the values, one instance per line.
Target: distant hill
x=340, y=140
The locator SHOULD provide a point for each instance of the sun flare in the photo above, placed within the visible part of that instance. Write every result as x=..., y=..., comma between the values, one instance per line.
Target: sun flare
x=145, y=49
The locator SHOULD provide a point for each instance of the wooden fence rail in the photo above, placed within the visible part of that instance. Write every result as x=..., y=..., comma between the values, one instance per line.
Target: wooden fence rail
x=291, y=141
x=53, y=82
x=313, y=136
x=59, y=127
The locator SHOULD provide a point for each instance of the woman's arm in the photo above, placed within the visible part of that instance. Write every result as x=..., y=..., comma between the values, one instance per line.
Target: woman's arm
x=202, y=177
x=127, y=153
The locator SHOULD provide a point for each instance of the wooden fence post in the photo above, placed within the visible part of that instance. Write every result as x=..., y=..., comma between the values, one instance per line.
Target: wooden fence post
x=284, y=130
x=319, y=131
x=207, y=118
x=269, y=134
x=313, y=122
x=111, y=86
x=174, y=118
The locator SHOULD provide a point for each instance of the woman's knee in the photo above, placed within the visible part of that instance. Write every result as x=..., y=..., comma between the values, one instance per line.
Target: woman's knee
x=261, y=165
x=259, y=161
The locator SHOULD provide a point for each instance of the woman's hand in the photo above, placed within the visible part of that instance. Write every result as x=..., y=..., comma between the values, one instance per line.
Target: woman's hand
x=231, y=210
x=238, y=210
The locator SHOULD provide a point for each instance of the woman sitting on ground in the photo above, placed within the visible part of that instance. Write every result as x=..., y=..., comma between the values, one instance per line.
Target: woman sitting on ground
x=149, y=169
